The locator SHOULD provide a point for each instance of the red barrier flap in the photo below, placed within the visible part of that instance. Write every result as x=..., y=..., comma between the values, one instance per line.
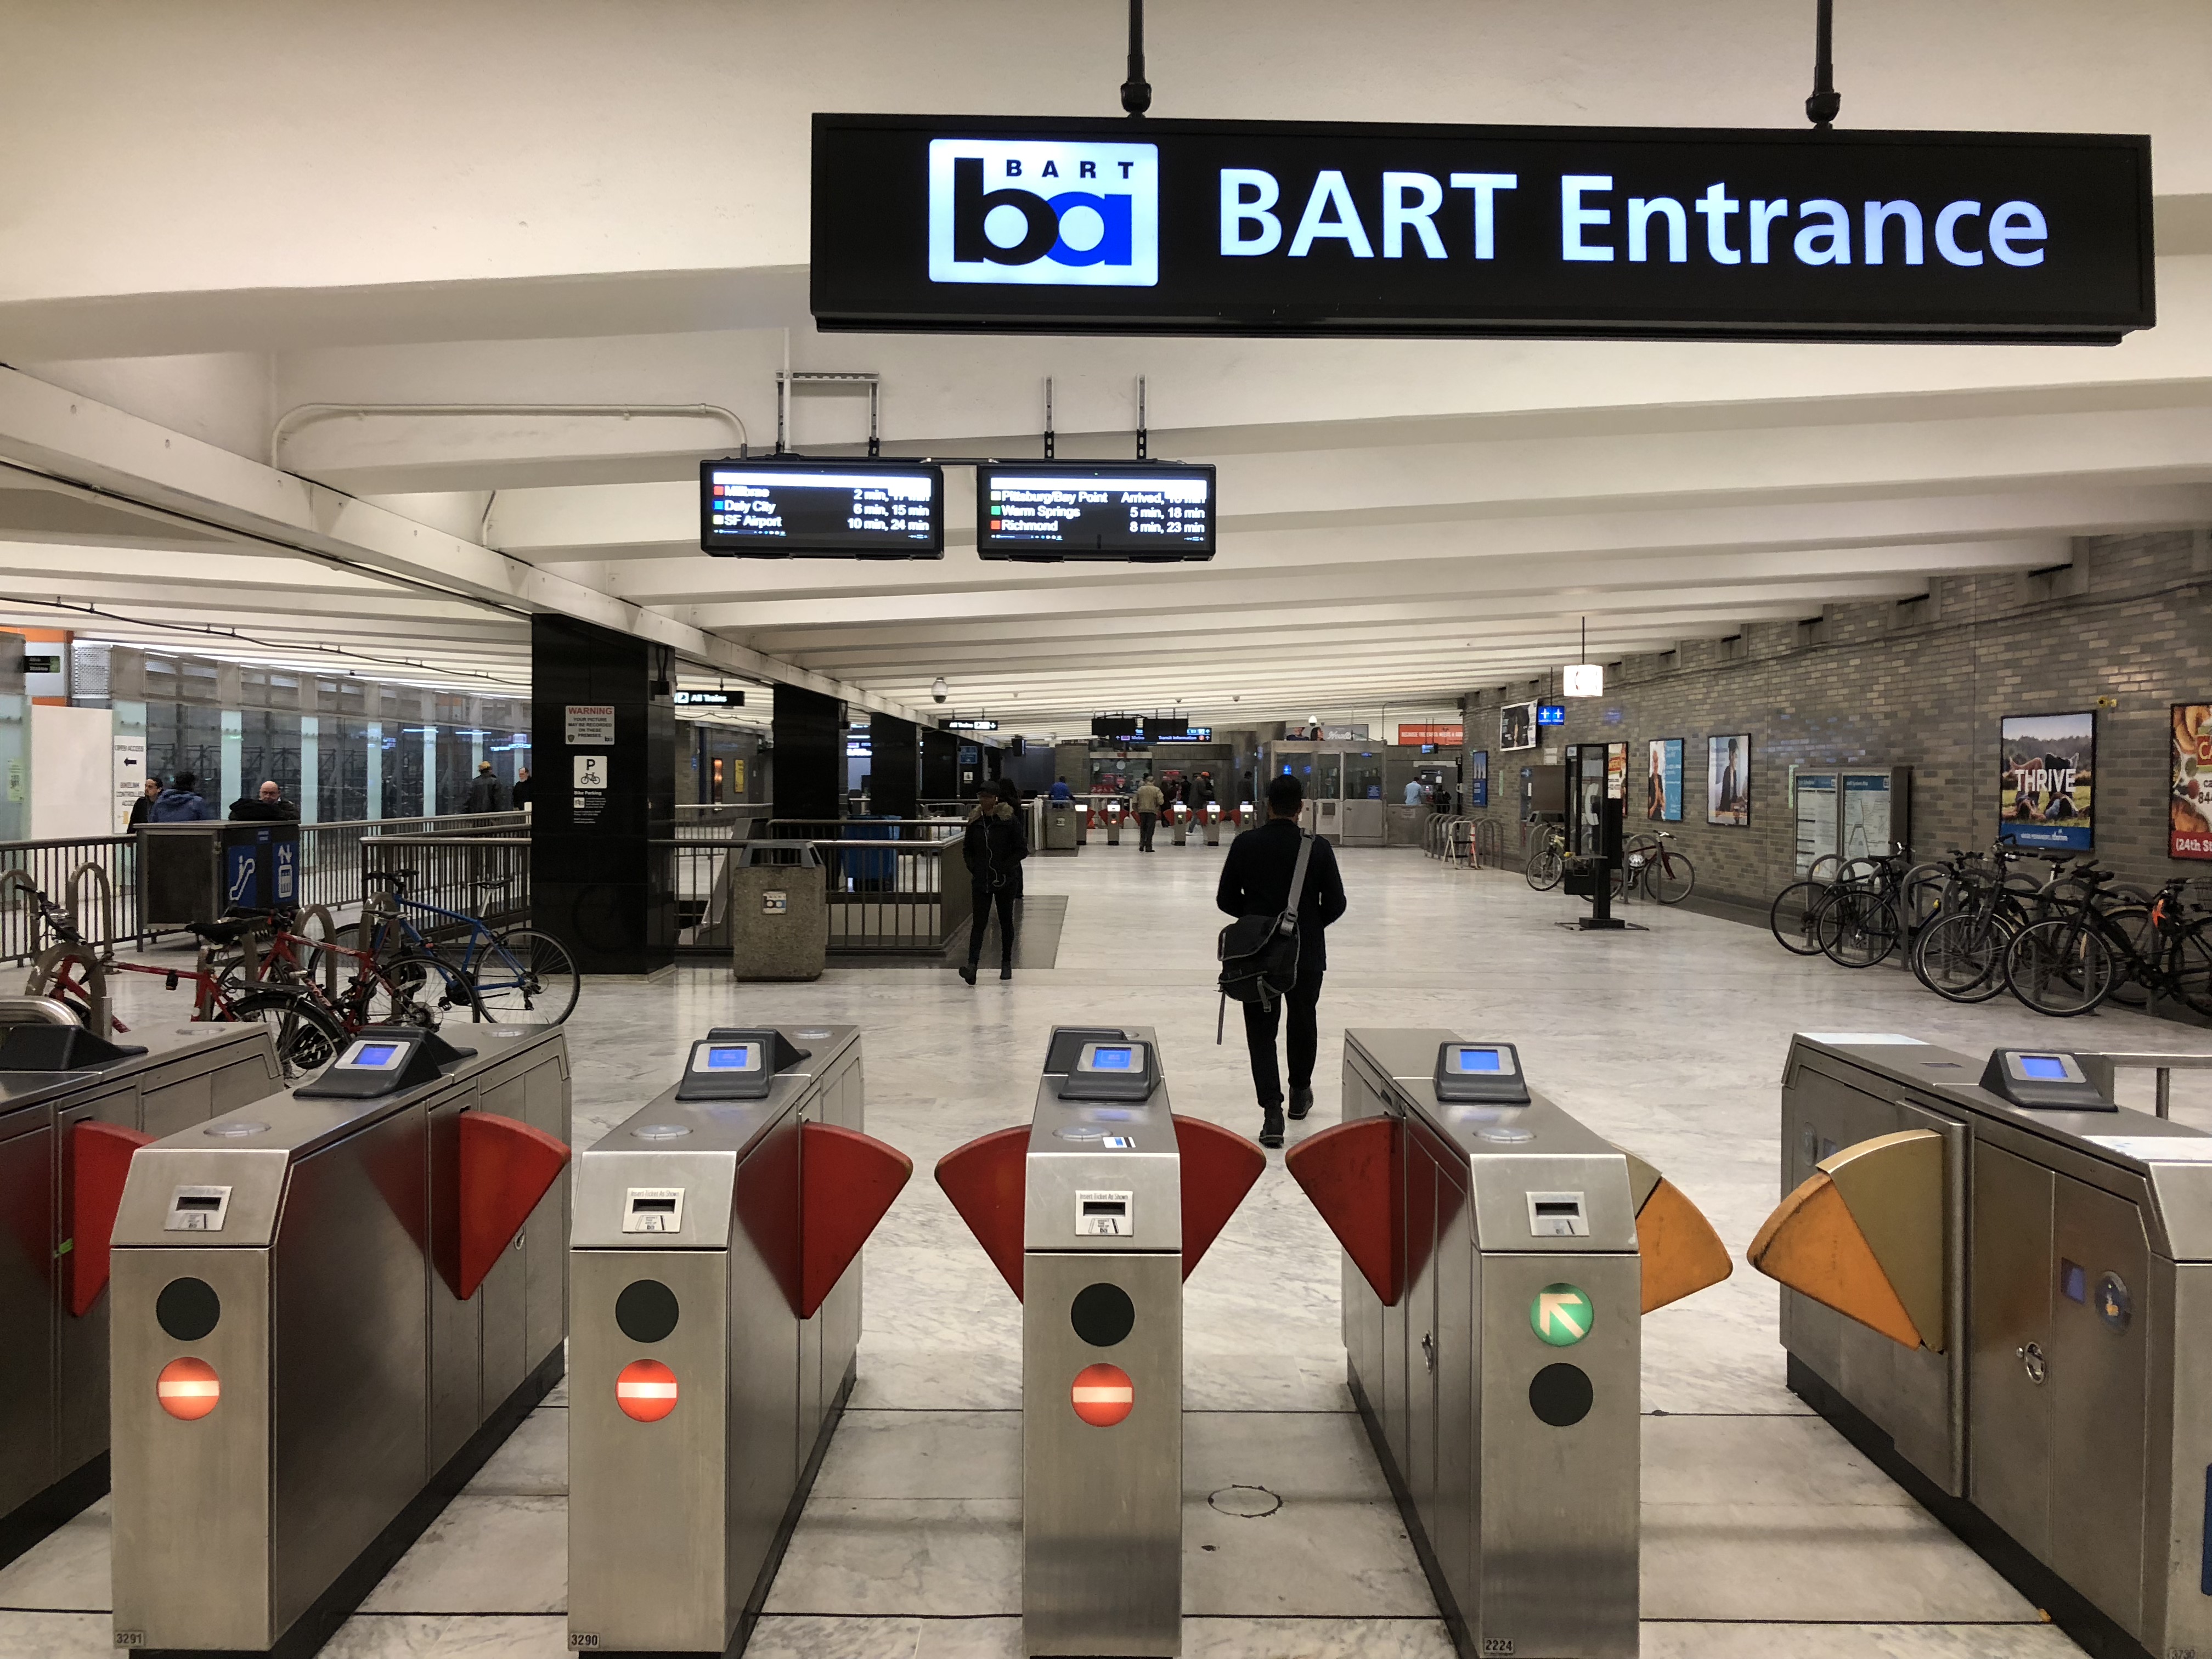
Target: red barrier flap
x=505, y=1167
x=847, y=1181
x=987, y=1181
x=1219, y=1168
x=100, y=1159
x=1355, y=1174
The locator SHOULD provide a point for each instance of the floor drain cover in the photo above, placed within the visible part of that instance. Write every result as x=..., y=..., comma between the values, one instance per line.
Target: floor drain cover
x=1246, y=1503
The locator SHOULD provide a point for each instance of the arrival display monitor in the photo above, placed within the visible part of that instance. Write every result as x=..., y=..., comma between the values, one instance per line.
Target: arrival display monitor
x=1136, y=512
x=778, y=509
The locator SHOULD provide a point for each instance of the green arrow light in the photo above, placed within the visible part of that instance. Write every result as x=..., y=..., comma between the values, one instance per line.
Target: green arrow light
x=1561, y=1315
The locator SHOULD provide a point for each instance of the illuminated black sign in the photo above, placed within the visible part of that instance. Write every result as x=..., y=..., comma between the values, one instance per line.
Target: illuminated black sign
x=986, y=223
x=778, y=507
x=710, y=700
x=1183, y=734
x=971, y=725
x=1118, y=728
x=1046, y=512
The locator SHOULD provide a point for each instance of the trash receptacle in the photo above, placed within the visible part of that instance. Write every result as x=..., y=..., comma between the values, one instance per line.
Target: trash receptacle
x=191, y=872
x=1061, y=826
x=779, y=911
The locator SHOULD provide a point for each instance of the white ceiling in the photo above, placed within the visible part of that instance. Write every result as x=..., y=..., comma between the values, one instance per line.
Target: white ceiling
x=447, y=303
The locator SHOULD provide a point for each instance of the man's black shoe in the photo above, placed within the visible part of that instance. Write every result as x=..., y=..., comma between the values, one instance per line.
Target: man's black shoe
x=1271, y=1127
x=1301, y=1102
x=968, y=972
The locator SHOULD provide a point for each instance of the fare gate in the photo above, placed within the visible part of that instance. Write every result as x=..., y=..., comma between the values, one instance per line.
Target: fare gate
x=716, y=1323
x=73, y=1109
x=330, y=1307
x=1998, y=1284
x=1499, y=1258
x=1095, y=1213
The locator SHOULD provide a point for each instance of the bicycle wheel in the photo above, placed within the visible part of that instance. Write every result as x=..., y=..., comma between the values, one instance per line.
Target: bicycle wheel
x=1961, y=957
x=421, y=989
x=1857, y=928
x=307, y=1037
x=1546, y=864
x=1670, y=876
x=1790, y=920
x=2061, y=966
x=527, y=978
x=2191, y=966
x=2133, y=968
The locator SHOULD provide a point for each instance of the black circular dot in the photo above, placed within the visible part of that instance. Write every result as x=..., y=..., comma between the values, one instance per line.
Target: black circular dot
x=646, y=1311
x=1103, y=1314
x=187, y=1309
x=1560, y=1395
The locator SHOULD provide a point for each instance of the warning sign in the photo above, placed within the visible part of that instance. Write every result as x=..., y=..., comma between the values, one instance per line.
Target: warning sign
x=588, y=722
x=1103, y=1395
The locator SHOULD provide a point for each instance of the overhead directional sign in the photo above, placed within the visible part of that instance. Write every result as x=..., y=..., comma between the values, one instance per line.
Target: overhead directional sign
x=1561, y=1315
x=1301, y=227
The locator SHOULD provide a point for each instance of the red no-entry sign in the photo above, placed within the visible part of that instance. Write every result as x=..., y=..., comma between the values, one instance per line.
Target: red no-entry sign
x=1103, y=1396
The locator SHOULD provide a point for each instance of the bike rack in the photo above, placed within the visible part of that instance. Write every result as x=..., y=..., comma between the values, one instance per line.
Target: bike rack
x=1489, y=841
x=325, y=956
x=71, y=893
x=45, y=967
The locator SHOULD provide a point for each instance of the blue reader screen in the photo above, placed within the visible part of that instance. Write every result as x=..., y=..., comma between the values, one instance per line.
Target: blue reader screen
x=377, y=1054
x=1112, y=1060
x=730, y=1060
x=1477, y=1060
x=2042, y=1068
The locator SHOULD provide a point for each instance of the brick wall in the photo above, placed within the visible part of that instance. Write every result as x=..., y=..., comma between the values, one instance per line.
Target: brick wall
x=1923, y=682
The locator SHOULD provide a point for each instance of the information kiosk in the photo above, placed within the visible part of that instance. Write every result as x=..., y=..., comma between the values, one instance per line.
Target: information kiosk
x=1499, y=1260
x=1998, y=1284
x=717, y=1313
x=1095, y=1213
x=330, y=1307
x=73, y=1109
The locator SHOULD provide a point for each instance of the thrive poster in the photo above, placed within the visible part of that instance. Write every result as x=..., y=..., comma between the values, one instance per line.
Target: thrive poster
x=2188, y=809
x=2047, y=768
x=1662, y=786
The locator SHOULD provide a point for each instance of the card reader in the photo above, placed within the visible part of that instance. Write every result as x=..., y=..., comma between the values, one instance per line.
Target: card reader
x=1480, y=1073
x=2043, y=1081
x=1110, y=1067
x=383, y=1059
x=728, y=1063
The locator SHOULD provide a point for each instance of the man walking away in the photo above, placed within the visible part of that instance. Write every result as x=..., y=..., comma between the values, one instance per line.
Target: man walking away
x=992, y=847
x=484, y=794
x=1255, y=881
x=181, y=803
x=1148, y=802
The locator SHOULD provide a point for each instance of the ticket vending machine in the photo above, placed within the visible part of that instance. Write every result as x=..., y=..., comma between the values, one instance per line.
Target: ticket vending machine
x=1095, y=1213
x=1499, y=1258
x=1998, y=1286
x=73, y=1109
x=330, y=1307
x=717, y=1314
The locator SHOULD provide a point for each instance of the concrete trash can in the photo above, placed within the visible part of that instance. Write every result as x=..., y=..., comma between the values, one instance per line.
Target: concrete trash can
x=1062, y=826
x=779, y=911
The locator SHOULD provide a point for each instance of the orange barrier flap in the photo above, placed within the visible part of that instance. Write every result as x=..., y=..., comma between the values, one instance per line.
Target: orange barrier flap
x=1811, y=1244
x=847, y=1181
x=1355, y=1174
x=100, y=1159
x=1681, y=1252
x=987, y=1181
x=1219, y=1168
x=505, y=1167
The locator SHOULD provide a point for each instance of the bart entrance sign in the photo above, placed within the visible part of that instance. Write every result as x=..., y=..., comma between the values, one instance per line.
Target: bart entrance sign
x=987, y=224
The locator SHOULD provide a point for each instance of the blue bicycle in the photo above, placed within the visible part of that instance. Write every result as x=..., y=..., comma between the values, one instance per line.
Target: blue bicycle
x=521, y=976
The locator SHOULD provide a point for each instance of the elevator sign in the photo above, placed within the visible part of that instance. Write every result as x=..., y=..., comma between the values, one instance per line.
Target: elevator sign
x=988, y=223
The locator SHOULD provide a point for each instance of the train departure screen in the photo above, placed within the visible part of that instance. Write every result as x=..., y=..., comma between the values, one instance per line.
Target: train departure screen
x=1135, y=512
x=778, y=507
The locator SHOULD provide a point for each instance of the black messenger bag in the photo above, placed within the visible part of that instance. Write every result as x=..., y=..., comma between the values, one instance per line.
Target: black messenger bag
x=1260, y=954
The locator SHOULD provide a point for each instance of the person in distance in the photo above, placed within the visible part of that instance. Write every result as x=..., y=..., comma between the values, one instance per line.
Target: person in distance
x=1255, y=881
x=1148, y=803
x=992, y=847
x=266, y=806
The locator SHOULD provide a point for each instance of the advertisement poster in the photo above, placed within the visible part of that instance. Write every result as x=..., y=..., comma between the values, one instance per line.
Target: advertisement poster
x=1517, y=726
x=1728, y=780
x=2047, y=770
x=1478, y=778
x=2188, y=812
x=1663, y=787
x=1616, y=771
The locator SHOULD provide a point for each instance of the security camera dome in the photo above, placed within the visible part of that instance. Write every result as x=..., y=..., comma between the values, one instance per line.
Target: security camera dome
x=939, y=690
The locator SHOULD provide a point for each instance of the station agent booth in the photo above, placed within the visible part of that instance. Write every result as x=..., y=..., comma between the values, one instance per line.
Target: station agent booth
x=1095, y=1213
x=330, y=1307
x=73, y=1109
x=1499, y=1258
x=1345, y=783
x=717, y=1313
x=1998, y=1284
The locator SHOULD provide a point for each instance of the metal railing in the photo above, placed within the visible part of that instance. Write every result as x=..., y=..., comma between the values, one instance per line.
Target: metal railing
x=2101, y=1070
x=487, y=876
x=741, y=820
x=862, y=829
x=332, y=856
x=884, y=897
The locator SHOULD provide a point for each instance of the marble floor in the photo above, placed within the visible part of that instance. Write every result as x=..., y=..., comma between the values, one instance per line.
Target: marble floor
x=1766, y=1535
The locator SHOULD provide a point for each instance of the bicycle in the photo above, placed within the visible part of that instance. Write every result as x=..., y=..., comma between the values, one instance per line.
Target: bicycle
x=520, y=977
x=1960, y=955
x=306, y=1037
x=1547, y=860
x=396, y=992
x=2067, y=964
x=1664, y=872
x=1875, y=904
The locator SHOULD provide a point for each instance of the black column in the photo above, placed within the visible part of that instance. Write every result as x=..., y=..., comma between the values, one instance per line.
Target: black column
x=602, y=711
x=810, y=755
x=892, y=765
x=940, y=765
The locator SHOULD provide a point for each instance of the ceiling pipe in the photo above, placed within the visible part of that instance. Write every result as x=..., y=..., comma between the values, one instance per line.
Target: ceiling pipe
x=304, y=414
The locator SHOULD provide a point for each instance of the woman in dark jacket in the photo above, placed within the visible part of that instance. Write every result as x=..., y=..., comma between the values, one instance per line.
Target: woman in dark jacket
x=992, y=849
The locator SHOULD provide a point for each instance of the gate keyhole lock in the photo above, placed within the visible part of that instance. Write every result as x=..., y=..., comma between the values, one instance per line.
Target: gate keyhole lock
x=1429, y=1350
x=2031, y=1360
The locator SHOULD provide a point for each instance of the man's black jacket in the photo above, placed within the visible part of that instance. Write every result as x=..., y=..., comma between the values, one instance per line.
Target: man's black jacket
x=1255, y=881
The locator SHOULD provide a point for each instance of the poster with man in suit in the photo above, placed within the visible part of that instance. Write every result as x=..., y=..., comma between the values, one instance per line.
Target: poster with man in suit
x=1728, y=780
